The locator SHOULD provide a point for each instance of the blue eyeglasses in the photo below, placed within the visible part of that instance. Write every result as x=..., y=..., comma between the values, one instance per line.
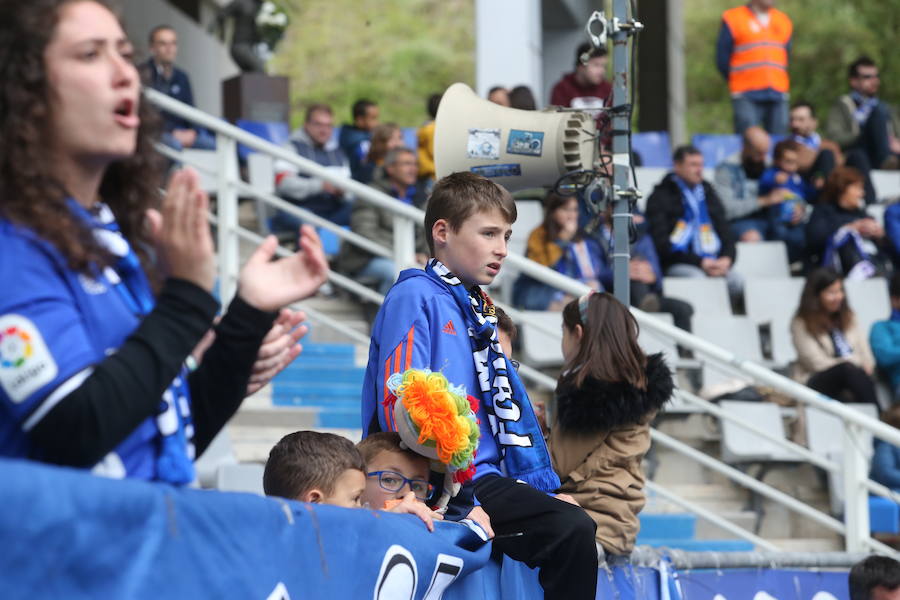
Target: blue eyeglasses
x=392, y=481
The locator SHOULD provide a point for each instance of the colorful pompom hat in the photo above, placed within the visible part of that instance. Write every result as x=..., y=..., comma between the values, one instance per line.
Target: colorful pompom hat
x=438, y=421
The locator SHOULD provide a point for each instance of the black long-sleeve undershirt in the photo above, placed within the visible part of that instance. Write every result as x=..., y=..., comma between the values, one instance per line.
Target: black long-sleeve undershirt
x=126, y=387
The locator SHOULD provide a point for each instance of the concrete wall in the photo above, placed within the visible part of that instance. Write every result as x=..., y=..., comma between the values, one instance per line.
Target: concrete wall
x=508, y=45
x=205, y=59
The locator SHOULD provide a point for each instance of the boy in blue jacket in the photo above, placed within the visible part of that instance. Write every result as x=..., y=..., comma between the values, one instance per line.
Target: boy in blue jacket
x=440, y=319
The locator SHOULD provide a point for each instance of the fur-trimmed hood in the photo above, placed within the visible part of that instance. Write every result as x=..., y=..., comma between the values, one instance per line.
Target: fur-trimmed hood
x=601, y=405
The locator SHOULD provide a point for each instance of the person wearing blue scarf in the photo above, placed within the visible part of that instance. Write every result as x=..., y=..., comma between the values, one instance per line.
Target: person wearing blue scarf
x=687, y=223
x=440, y=319
x=884, y=338
x=109, y=285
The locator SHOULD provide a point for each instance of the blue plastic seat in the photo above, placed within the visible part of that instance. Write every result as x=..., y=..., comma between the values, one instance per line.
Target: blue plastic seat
x=654, y=148
x=716, y=147
x=276, y=132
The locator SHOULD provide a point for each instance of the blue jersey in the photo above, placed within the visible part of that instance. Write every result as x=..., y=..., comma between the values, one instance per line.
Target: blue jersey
x=420, y=326
x=55, y=325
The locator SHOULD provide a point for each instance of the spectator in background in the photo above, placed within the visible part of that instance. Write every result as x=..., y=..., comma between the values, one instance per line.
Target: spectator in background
x=737, y=182
x=499, y=95
x=687, y=223
x=840, y=234
x=385, y=137
x=885, y=341
x=817, y=157
x=377, y=224
x=313, y=141
x=886, y=458
x=785, y=220
x=644, y=272
x=521, y=97
x=892, y=233
x=833, y=354
x=874, y=578
x=160, y=73
x=586, y=87
x=354, y=138
x=866, y=127
x=752, y=55
x=425, y=137
x=560, y=244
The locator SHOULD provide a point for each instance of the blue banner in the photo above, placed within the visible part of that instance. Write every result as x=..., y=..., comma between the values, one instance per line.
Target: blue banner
x=67, y=534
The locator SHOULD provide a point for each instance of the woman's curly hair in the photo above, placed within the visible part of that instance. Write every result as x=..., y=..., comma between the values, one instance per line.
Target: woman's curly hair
x=29, y=193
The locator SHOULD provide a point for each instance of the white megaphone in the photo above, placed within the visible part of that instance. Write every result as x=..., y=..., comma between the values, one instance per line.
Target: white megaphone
x=516, y=148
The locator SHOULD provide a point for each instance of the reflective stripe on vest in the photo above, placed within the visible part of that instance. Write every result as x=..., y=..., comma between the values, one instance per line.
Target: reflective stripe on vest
x=759, y=58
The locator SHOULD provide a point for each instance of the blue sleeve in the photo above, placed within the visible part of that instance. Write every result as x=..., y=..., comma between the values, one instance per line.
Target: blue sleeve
x=44, y=341
x=645, y=248
x=767, y=181
x=892, y=227
x=188, y=91
x=724, y=48
x=885, y=469
x=605, y=271
x=887, y=353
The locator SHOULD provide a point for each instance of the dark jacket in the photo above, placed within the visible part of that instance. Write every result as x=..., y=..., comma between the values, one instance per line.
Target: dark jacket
x=376, y=224
x=178, y=87
x=665, y=207
x=355, y=144
x=599, y=435
x=825, y=220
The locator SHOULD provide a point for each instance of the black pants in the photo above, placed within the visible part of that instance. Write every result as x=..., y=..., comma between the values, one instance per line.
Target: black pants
x=845, y=377
x=557, y=537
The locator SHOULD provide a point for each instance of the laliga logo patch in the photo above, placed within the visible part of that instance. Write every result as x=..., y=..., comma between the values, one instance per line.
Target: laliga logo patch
x=15, y=347
x=26, y=364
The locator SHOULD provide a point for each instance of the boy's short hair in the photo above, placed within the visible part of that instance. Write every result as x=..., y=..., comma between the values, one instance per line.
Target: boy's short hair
x=360, y=107
x=872, y=572
x=458, y=196
x=505, y=324
x=304, y=460
x=589, y=49
x=785, y=146
x=383, y=441
x=682, y=152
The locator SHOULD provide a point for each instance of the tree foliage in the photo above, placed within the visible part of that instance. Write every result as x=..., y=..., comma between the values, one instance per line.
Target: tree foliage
x=828, y=36
x=396, y=52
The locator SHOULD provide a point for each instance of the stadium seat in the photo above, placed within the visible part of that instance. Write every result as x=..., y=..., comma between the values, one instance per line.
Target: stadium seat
x=870, y=300
x=261, y=172
x=762, y=309
x=276, y=132
x=206, y=163
x=651, y=342
x=218, y=454
x=738, y=335
x=331, y=242
x=715, y=147
x=707, y=295
x=410, y=139
x=654, y=148
x=762, y=259
x=540, y=349
x=241, y=477
x=740, y=445
x=824, y=436
x=530, y=215
x=876, y=211
x=884, y=515
x=886, y=184
x=647, y=178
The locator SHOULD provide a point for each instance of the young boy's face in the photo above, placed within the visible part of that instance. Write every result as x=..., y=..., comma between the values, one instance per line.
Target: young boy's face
x=399, y=462
x=475, y=253
x=348, y=489
x=788, y=162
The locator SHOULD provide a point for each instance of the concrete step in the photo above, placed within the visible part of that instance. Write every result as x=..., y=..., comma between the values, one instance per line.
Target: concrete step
x=699, y=545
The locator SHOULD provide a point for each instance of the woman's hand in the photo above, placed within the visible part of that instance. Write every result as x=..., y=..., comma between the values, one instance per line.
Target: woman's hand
x=181, y=233
x=269, y=285
x=279, y=349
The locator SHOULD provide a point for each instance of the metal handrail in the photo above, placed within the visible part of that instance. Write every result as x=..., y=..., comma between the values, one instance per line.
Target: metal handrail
x=406, y=216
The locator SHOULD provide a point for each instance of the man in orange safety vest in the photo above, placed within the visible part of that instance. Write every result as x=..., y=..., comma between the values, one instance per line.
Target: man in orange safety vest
x=752, y=55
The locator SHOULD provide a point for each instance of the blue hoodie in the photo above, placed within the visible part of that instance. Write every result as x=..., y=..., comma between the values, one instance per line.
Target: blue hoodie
x=420, y=326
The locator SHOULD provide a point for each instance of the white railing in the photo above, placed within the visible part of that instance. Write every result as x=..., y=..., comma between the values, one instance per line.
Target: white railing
x=856, y=486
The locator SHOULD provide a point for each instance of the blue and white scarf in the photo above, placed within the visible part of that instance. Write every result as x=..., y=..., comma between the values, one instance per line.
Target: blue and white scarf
x=864, y=106
x=811, y=141
x=174, y=461
x=523, y=453
x=694, y=231
x=862, y=268
x=842, y=347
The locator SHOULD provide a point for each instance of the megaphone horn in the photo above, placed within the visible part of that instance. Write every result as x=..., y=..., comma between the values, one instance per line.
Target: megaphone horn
x=516, y=148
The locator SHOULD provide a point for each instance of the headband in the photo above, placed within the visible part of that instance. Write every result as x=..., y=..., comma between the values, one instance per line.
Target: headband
x=583, y=306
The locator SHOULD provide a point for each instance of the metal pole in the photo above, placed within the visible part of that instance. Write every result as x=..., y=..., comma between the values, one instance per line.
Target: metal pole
x=621, y=157
x=856, y=494
x=227, y=206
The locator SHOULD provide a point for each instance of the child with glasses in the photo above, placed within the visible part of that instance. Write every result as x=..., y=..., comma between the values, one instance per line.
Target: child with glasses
x=324, y=468
x=396, y=477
